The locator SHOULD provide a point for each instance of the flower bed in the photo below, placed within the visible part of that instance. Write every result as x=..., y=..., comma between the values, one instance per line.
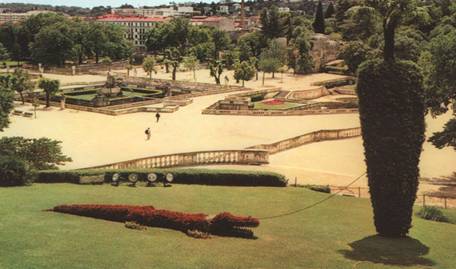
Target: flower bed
x=224, y=224
x=273, y=102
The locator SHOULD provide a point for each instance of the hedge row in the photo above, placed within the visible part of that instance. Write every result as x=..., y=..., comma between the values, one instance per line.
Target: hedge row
x=181, y=176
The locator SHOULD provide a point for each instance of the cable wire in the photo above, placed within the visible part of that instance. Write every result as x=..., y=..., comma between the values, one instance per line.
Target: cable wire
x=314, y=204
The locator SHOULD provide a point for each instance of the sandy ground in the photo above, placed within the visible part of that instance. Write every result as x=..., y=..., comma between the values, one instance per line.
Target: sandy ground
x=94, y=139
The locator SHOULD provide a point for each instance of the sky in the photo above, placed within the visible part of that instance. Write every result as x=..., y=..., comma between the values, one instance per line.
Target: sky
x=92, y=3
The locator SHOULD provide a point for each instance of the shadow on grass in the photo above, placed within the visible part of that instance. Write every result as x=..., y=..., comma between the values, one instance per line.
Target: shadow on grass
x=389, y=251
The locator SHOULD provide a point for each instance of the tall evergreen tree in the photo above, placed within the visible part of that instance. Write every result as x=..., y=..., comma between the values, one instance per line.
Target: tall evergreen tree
x=272, y=25
x=330, y=11
x=319, y=22
x=392, y=112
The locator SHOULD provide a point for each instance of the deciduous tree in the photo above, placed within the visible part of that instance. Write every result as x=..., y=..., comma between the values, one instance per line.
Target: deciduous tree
x=50, y=87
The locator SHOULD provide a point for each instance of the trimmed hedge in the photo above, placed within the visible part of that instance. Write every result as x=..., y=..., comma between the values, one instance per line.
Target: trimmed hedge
x=208, y=177
x=181, y=176
x=67, y=176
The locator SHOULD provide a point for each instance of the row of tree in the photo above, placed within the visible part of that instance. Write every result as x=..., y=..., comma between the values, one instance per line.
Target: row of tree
x=283, y=41
x=52, y=39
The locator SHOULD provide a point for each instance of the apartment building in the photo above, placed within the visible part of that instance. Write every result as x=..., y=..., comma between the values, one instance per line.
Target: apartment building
x=136, y=26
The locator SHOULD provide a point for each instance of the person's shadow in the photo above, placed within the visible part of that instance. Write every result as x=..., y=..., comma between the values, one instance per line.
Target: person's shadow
x=389, y=251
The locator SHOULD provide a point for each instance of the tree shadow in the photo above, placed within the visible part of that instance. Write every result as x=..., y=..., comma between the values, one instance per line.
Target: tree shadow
x=389, y=251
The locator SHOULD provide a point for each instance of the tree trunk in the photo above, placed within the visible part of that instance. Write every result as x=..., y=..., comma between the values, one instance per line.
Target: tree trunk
x=22, y=97
x=174, y=72
x=97, y=57
x=167, y=68
x=80, y=59
x=263, y=77
x=256, y=75
x=273, y=74
x=150, y=75
x=47, y=100
x=194, y=75
x=389, y=33
x=243, y=83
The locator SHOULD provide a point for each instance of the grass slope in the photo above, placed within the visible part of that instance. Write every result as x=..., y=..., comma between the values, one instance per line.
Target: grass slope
x=335, y=234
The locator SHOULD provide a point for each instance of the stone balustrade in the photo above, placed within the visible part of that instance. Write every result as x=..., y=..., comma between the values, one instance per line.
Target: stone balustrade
x=316, y=136
x=241, y=157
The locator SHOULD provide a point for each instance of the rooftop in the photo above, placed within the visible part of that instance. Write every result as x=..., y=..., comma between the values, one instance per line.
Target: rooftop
x=118, y=18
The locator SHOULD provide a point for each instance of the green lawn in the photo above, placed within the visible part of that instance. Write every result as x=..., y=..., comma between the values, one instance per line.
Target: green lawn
x=336, y=234
x=285, y=105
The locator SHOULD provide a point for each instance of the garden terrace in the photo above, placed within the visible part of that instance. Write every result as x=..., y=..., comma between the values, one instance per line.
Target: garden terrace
x=139, y=95
x=275, y=102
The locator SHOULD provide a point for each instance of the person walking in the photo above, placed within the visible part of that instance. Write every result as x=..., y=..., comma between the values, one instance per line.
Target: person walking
x=157, y=116
x=147, y=132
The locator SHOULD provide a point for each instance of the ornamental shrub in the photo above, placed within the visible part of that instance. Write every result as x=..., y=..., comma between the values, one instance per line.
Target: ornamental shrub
x=432, y=213
x=391, y=106
x=319, y=188
x=224, y=224
x=14, y=172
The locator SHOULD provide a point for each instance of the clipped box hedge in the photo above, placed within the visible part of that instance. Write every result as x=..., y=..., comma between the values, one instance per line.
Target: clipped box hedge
x=70, y=176
x=208, y=176
x=181, y=176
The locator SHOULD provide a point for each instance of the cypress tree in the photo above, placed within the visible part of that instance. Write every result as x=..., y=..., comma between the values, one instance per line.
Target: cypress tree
x=391, y=106
x=330, y=10
x=319, y=22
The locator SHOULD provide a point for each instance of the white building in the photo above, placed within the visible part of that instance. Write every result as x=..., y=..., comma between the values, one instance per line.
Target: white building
x=155, y=12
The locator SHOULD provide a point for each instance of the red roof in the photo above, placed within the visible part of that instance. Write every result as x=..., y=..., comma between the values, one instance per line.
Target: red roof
x=117, y=18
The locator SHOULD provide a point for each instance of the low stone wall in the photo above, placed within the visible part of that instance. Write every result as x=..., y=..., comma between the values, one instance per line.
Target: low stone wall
x=332, y=83
x=321, y=135
x=307, y=94
x=192, y=86
x=291, y=112
x=197, y=158
x=80, y=69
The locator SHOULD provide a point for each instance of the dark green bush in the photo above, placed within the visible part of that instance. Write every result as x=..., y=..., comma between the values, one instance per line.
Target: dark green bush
x=319, y=188
x=432, y=213
x=14, y=172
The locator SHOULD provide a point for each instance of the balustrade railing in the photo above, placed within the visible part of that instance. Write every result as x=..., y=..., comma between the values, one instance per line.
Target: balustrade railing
x=246, y=157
